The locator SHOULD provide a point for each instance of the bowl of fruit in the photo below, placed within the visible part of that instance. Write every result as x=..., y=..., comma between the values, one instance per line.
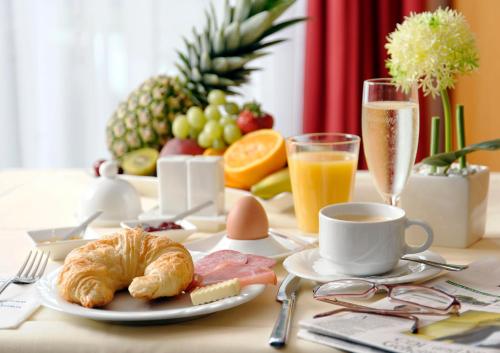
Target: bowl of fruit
x=254, y=154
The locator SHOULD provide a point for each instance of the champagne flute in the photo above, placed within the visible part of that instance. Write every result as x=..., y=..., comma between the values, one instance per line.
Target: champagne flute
x=390, y=123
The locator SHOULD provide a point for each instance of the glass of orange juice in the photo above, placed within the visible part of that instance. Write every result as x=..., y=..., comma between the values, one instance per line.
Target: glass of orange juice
x=322, y=168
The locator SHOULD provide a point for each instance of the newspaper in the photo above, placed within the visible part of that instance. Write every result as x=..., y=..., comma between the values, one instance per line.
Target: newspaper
x=476, y=330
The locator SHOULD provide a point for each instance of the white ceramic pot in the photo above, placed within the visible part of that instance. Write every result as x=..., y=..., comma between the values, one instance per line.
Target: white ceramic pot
x=454, y=206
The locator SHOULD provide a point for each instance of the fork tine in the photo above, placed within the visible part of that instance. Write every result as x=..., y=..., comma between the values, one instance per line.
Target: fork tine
x=33, y=272
x=24, y=264
x=26, y=273
x=42, y=270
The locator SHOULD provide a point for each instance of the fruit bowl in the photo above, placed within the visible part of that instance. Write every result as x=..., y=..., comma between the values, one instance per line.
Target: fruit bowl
x=147, y=186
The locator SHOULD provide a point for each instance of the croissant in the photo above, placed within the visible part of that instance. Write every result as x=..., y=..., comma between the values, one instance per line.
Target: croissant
x=151, y=266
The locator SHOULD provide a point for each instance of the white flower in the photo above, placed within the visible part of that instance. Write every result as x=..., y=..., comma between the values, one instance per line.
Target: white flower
x=431, y=48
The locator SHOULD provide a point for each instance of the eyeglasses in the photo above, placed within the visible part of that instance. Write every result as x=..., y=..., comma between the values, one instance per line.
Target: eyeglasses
x=415, y=299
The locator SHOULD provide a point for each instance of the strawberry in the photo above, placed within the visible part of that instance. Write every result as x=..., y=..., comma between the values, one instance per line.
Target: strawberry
x=252, y=118
x=266, y=121
x=247, y=122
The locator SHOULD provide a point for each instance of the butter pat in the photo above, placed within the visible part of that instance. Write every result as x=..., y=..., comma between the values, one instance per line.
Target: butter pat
x=205, y=183
x=172, y=184
x=215, y=292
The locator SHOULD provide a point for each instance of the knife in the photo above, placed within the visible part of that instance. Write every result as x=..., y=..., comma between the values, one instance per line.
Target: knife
x=287, y=294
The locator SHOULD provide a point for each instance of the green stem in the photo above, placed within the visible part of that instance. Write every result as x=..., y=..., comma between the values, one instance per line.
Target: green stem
x=445, y=99
x=461, y=133
x=434, y=139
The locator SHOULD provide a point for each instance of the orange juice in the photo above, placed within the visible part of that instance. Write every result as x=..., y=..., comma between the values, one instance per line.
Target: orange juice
x=319, y=179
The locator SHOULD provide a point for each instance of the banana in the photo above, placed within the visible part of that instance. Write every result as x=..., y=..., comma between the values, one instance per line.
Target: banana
x=273, y=184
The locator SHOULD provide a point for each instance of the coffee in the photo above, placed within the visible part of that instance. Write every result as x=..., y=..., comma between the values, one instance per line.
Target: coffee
x=360, y=218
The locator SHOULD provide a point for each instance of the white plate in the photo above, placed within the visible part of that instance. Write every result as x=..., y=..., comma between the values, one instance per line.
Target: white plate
x=219, y=241
x=302, y=265
x=124, y=308
x=177, y=235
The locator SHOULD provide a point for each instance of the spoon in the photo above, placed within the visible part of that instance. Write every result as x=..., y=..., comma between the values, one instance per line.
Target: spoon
x=81, y=228
x=175, y=218
x=303, y=243
x=448, y=267
x=190, y=211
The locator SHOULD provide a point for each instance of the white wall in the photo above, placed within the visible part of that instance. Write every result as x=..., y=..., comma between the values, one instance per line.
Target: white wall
x=65, y=65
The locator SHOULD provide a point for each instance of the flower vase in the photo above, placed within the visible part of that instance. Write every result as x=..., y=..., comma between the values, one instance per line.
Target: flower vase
x=454, y=205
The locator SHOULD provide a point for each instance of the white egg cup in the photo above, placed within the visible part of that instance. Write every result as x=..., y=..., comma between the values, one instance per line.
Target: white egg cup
x=267, y=246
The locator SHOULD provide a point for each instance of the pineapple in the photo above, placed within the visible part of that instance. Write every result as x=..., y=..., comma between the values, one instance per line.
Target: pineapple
x=216, y=58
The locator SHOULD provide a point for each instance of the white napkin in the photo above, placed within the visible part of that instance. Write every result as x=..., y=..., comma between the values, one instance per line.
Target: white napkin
x=17, y=303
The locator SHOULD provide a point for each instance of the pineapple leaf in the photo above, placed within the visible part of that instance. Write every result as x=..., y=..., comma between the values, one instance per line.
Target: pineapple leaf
x=227, y=14
x=232, y=34
x=216, y=56
x=253, y=27
x=218, y=43
x=206, y=62
x=260, y=45
x=279, y=7
x=183, y=58
x=278, y=27
x=242, y=10
x=214, y=17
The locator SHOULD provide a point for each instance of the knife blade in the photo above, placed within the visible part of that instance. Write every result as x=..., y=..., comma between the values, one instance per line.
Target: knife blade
x=287, y=295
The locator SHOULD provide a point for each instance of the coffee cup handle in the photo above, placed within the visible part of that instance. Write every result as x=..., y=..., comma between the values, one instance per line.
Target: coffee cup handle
x=428, y=242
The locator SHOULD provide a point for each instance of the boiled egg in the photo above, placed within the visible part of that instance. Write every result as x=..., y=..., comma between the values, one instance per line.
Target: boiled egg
x=247, y=220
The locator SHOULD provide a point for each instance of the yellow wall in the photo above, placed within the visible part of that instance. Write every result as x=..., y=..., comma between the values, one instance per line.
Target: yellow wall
x=480, y=91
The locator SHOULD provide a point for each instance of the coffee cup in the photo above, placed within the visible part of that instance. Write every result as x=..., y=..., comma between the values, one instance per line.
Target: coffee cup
x=363, y=238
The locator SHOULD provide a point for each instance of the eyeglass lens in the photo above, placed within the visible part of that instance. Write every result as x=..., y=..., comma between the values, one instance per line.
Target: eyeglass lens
x=422, y=296
x=344, y=288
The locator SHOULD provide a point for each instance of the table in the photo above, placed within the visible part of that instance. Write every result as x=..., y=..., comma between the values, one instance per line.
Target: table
x=31, y=199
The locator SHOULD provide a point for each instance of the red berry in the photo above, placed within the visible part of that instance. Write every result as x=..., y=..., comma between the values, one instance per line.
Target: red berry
x=247, y=122
x=266, y=122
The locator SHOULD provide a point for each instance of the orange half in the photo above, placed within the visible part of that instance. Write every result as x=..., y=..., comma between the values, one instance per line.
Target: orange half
x=254, y=156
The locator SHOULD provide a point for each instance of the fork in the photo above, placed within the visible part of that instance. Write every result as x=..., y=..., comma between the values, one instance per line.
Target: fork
x=27, y=274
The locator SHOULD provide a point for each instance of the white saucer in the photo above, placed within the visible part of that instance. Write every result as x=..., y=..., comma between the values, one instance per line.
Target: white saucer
x=272, y=247
x=303, y=264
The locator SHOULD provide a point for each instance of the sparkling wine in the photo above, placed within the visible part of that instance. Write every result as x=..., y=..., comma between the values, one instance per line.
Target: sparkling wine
x=390, y=138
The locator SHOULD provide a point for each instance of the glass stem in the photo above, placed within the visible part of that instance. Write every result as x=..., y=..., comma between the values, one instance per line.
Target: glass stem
x=392, y=200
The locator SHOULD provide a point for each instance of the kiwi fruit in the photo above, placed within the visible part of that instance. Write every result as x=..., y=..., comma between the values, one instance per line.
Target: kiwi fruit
x=140, y=162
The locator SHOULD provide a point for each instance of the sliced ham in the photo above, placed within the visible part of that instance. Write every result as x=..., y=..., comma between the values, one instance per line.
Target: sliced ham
x=260, y=261
x=247, y=274
x=218, y=258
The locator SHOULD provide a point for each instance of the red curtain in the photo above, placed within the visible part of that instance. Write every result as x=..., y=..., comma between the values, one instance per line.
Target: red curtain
x=344, y=46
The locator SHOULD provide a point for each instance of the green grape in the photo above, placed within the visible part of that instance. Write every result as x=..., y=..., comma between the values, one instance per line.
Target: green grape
x=196, y=118
x=193, y=133
x=227, y=120
x=232, y=133
x=218, y=144
x=231, y=108
x=213, y=129
x=212, y=112
x=180, y=127
x=204, y=140
x=216, y=97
